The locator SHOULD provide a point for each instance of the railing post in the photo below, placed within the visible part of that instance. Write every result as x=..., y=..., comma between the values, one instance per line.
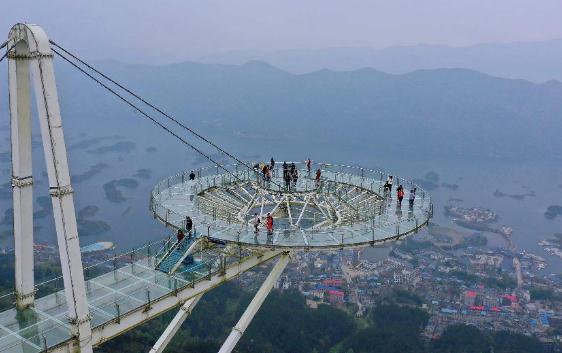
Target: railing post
x=57, y=299
x=223, y=265
x=115, y=267
x=133, y=261
x=118, y=317
x=87, y=270
x=148, y=303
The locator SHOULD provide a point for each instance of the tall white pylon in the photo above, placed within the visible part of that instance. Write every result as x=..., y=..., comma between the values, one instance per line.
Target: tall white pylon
x=32, y=53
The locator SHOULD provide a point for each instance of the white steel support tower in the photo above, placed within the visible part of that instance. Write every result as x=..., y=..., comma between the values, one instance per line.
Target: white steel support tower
x=31, y=54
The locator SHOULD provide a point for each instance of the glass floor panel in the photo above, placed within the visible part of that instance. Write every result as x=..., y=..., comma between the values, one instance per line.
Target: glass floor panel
x=109, y=295
x=14, y=344
x=52, y=304
x=99, y=317
x=48, y=332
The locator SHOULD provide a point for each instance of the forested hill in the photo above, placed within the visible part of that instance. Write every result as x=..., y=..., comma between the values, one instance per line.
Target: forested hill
x=445, y=113
x=285, y=325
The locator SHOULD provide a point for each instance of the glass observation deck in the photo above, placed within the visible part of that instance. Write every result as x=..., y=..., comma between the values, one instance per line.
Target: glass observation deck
x=347, y=206
x=114, y=288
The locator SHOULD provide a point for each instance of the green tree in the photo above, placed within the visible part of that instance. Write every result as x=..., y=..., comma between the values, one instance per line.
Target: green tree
x=393, y=329
x=507, y=342
x=462, y=339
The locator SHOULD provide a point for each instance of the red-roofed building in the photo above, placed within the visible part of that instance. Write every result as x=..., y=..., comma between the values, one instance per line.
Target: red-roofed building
x=509, y=299
x=336, y=296
x=469, y=298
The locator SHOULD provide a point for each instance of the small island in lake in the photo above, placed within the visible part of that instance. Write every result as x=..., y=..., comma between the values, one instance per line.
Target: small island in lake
x=553, y=211
x=553, y=246
x=112, y=191
x=479, y=219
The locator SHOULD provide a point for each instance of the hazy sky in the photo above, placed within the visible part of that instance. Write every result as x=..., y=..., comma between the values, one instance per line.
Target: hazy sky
x=176, y=30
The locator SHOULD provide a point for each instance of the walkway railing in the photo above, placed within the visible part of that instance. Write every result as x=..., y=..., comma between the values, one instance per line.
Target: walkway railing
x=116, y=288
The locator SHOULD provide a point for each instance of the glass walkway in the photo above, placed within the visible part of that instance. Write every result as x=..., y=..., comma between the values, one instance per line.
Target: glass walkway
x=120, y=289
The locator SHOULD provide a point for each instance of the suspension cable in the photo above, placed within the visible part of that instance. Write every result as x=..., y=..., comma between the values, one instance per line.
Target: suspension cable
x=144, y=113
x=168, y=116
x=3, y=45
x=7, y=50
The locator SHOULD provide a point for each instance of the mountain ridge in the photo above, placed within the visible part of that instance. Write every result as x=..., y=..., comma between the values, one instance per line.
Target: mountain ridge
x=448, y=113
x=534, y=61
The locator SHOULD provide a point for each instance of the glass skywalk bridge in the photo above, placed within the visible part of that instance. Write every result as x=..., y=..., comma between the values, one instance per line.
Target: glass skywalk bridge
x=122, y=292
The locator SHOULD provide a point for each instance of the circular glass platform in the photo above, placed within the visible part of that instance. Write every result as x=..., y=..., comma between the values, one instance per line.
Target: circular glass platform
x=345, y=207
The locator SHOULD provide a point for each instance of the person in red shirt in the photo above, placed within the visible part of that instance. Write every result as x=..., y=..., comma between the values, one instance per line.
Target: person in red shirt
x=269, y=224
x=180, y=235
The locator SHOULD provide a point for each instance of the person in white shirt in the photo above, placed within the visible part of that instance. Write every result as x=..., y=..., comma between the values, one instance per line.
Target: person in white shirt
x=388, y=186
